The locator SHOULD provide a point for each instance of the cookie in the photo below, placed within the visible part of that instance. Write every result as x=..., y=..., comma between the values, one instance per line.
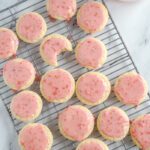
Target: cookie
x=19, y=74
x=76, y=122
x=91, y=53
x=31, y=27
x=92, y=17
x=26, y=106
x=35, y=136
x=61, y=9
x=140, y=131
x=92, y=144
x=52, y=46
x=57, y=85
x=8, y=43
x=113, y=123
x=131, y=88
x=93, y=88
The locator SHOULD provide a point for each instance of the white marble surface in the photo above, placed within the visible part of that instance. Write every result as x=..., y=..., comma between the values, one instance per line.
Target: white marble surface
x=7, y=3
x=7, y=133
x=132, y=20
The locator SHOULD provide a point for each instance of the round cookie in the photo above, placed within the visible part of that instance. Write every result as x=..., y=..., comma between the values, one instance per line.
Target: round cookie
x=8, y=43
x=131, y=88
x=113, y=123
x=35, y=136
x=92, y=144
x=31, y=27
x=93, y=88
x=18, y=74
x=61, y=9
x=92, y=17
x=52, y=46
x=140, y=131
x=57, y=85
x=91, y=53
x=26, y=106
x=76, y=122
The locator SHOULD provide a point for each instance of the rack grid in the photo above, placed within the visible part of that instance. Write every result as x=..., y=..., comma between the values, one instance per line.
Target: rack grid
x=119, y=61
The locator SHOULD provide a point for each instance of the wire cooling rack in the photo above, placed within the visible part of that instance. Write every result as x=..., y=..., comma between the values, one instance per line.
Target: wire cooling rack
x=119, y=61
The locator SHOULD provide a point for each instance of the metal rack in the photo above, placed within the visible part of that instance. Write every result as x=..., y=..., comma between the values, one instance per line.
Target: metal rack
x=119, y=61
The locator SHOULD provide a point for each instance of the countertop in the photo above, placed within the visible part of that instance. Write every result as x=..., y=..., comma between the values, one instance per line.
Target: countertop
x=132, y=20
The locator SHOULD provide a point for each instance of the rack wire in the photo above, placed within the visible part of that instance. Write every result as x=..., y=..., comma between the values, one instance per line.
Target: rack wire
x=119, y=61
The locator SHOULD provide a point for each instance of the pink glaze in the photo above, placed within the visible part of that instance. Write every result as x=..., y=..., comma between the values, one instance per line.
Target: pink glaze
x=113, y=123
x=140, y=130
x=91, y=145
x=57, y=84
x=91, y=87
x=30, y=26
x=62, y=8
x=18, y=73
x=53, y=47
x=76, y=123
x=130, y=89
x=90, y=53
x=34, y=138
x=91, y=16
x=8, y=43
x=25, y=105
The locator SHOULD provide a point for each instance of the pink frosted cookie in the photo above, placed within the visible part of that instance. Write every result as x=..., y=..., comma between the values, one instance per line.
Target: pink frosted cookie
x=26, y=106
x=130, y=88
x=31, y=27
x=57, y=85
x=8, y=43
x=91, y=53
x=93, y=88
x=35, y=136
x=113, y=123
x=76, y=123
x=92, y=17
x=92, y=144
x=52, y=46
x=140, y=132
x=18, y=74
x=61, y=9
